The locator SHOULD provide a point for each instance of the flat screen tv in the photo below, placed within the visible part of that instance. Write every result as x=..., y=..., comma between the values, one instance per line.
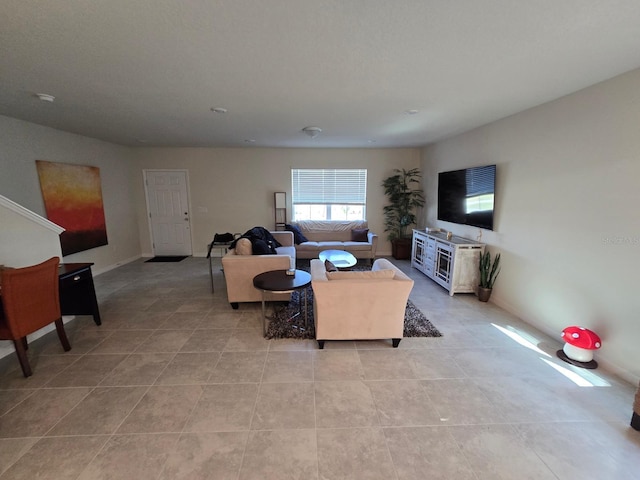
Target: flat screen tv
x=467, y=196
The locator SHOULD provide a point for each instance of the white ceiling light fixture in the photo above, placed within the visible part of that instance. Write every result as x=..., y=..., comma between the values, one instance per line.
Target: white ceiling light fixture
x=313, y=132
x=218, y=110
x=45, y=97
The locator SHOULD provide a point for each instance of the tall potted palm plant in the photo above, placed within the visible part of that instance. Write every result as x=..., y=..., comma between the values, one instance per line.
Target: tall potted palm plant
x=404, y=194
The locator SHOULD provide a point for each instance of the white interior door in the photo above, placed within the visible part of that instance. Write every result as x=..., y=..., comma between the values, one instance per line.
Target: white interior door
x=168, y=208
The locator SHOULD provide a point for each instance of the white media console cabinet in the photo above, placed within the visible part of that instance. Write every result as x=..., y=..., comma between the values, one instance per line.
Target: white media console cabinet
x=451, y=262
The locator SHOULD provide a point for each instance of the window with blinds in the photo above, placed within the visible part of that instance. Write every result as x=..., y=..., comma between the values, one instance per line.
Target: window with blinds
x=328, y=194
x=480, y=184
x=480, y=180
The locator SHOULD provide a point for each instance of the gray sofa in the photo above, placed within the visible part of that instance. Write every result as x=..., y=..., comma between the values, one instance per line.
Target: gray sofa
x=335, y=235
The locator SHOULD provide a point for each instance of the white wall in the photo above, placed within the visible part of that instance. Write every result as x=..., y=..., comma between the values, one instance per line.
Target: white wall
x=37, y=237
x=567, y=212
x=22, y=143
x=235, y=185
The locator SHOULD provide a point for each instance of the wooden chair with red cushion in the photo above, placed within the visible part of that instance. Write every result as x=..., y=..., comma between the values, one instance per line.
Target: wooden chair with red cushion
x=30, y=301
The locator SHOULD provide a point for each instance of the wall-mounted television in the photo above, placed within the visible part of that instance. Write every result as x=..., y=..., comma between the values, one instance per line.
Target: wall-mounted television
x=467, y=196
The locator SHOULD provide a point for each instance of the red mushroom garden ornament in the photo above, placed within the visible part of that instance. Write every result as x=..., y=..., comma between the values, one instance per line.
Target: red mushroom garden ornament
x=579, y=347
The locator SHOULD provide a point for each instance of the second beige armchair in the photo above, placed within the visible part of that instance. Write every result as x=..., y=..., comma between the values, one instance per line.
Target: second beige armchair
x=359, y=305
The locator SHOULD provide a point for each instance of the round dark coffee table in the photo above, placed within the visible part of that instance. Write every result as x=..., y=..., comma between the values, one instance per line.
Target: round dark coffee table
x=277, y=281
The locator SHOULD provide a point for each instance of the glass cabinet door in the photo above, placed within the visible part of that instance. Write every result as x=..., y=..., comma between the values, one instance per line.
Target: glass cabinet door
x=444, y=261
x=418, y=251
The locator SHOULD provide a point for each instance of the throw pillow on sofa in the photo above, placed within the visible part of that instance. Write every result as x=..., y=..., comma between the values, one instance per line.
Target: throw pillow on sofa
x=329, y=266
x=359, y=235
x=298, y=237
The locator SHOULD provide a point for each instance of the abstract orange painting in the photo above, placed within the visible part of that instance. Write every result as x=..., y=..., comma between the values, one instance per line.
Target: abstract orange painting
x=73, y=199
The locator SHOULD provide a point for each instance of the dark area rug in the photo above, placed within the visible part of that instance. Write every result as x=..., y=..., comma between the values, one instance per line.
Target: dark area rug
x=167, y=258
x=282, y=325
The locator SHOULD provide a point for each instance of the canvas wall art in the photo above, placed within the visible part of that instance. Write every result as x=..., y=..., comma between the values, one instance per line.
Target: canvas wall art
x=73, y=199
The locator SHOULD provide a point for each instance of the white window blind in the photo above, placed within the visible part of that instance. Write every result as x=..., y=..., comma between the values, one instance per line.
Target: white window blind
x=480, y=180
x=329, y=186
x=329, y=194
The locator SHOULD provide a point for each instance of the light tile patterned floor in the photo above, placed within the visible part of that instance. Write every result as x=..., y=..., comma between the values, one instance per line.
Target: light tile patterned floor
x=177, y=385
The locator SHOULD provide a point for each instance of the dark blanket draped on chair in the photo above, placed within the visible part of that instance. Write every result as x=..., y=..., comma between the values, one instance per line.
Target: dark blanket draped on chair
x=261, y=240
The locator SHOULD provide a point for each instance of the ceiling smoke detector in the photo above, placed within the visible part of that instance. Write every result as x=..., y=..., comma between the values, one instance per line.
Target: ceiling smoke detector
x=45, y=97
x=313, y=132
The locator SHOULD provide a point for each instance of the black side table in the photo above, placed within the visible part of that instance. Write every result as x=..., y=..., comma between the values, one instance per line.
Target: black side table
x=77, y=292
x=277, y=281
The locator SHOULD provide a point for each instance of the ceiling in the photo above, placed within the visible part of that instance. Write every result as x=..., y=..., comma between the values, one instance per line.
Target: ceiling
x=148, y=72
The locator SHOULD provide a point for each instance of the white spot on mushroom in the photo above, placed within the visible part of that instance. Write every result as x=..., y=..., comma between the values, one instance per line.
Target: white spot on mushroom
x=575, y=335
x=597, y=344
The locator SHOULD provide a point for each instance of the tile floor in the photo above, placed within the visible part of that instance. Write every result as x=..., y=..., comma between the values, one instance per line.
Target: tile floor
x=177, y=385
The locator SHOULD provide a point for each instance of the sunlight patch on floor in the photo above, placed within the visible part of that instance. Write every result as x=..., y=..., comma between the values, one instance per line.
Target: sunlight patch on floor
x=521, y=338
x=579, y=376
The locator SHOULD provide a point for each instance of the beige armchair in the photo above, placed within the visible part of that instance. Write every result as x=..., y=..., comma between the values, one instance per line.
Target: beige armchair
x=239, y=270
x=359, y=305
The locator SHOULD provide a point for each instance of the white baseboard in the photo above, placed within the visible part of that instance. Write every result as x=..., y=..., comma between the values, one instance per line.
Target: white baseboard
x=108, y=268
x=195, y=254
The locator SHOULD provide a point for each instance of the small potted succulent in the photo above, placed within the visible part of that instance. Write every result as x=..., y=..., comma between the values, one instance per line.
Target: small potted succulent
x=488, y=273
